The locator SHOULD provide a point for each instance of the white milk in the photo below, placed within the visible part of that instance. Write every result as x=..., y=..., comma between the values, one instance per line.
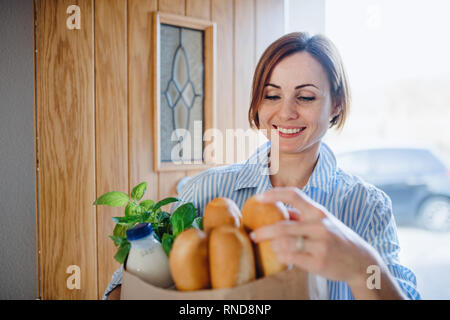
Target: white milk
x=148, y=261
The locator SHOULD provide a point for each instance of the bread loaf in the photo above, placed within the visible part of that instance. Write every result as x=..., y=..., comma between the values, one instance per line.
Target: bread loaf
x=256, y=214
x=188, y=260
x=221, y=211
x=231, y=258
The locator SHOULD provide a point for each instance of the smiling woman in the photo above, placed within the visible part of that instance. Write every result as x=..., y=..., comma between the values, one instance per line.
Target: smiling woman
x=340, y=228
x=299, y=90
x=323, y=54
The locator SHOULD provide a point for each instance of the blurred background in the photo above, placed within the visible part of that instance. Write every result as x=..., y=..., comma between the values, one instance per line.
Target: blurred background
x=398, y=134
x=397, y=61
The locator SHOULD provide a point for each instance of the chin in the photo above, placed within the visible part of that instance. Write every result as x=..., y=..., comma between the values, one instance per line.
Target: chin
x=290, y=147
x=291, y=150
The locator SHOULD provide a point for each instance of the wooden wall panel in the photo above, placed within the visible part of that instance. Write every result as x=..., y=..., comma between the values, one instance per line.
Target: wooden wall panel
x=266, y=33
x=111, y=124
x=172, y=6
x=222, y=14
x=140, y=109
x=244, y=66
x=65, y=102
x=199, y=9
x=244, y=59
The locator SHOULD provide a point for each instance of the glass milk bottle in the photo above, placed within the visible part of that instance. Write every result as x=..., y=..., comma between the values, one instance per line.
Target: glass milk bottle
x=146, y=258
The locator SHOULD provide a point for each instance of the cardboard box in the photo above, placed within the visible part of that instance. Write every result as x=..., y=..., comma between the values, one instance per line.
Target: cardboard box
x=291, y=284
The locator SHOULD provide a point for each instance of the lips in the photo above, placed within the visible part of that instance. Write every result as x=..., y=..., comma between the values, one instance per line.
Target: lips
x=289, y=130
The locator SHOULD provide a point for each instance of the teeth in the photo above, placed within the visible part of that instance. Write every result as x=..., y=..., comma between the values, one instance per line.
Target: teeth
x=283, y=130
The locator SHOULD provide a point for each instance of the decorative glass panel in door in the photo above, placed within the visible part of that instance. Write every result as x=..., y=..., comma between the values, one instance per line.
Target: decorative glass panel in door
x=182, y=75
x=183, y=90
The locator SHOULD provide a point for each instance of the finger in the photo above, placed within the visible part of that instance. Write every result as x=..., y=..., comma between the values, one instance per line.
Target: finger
x=311, y=230
x=296, y=198
x=289, y=244
x=302, y=260
x=294, y=214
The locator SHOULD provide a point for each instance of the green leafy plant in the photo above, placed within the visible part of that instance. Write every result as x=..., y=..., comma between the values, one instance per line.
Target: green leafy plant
x=166, y=227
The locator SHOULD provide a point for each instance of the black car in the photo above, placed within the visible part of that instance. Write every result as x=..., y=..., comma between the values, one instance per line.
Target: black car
x=415, y=179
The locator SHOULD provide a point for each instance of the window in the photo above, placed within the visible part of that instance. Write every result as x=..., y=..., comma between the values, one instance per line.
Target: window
x=396, y=57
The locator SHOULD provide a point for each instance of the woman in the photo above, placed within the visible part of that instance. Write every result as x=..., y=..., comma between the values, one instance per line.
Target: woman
x=341, y=228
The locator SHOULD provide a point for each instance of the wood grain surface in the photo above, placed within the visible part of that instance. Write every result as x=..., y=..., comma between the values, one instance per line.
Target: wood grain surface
x=222, y=14
x=199, y=9
x=140, y=108
x=65, y=102
x=244, y=59
x=94, y=115
x=110, y=23
x=266, y=33
x=172, y=6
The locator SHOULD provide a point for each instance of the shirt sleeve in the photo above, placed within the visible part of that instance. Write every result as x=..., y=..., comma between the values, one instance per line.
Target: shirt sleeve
x=116, y=280
x=381, y=233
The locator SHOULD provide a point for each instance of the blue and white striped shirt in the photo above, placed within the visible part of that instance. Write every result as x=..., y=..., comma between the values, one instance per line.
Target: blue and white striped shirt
x=362, y=207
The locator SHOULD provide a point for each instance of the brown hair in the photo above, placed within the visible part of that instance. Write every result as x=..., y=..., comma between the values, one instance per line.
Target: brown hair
x=323, y=50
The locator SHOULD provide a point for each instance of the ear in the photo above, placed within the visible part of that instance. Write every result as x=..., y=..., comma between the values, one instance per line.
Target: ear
x=336, y=110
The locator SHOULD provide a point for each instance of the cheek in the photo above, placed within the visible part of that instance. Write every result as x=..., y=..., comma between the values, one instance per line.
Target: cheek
x=264, y=115
x=320, y=115
x=315, y=117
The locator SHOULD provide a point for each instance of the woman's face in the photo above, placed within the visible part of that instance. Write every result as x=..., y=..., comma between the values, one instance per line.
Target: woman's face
x=297, y=103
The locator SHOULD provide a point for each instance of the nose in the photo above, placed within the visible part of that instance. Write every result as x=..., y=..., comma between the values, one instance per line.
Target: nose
x=288, y=110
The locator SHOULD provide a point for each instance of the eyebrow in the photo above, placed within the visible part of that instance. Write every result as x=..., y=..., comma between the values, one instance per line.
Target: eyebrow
x=297, y=87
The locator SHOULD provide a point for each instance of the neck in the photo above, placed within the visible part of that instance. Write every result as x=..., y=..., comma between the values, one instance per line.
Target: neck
x=295, y=169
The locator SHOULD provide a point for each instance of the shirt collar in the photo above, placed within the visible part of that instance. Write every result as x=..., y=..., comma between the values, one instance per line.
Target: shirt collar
x=255, y=170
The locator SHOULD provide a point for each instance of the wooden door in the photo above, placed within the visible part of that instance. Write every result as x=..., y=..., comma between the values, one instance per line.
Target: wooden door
x=94, y=118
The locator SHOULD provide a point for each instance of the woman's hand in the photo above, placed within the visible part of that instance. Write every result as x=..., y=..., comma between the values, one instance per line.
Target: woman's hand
x=329, y=248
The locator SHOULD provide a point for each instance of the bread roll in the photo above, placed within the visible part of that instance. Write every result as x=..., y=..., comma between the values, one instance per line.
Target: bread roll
x=188, y=260
x=256, y=214
x=231, y=258
x=219, y=212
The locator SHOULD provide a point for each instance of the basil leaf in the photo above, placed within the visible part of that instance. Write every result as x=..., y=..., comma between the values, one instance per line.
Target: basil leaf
x=113, y=199
x=162, y=224
x=120, y=230
x=198, y=223
x=134, y=209
x=122, y=252
x=129, y=209
x=127, y=220
x=167, y=242
x=138, y=192
x=182, y=218
x=163, y=217
x=117, y=240
x=147, y=204
x=144, y=217
x=156, y=232
x=163, y=202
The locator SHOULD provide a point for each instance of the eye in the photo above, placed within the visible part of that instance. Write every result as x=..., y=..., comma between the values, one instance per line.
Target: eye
x=305, y=98
x=271, y=97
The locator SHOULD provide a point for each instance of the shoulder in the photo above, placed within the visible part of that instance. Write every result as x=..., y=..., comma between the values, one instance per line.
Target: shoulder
x=351, y=186
x=361, y=202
